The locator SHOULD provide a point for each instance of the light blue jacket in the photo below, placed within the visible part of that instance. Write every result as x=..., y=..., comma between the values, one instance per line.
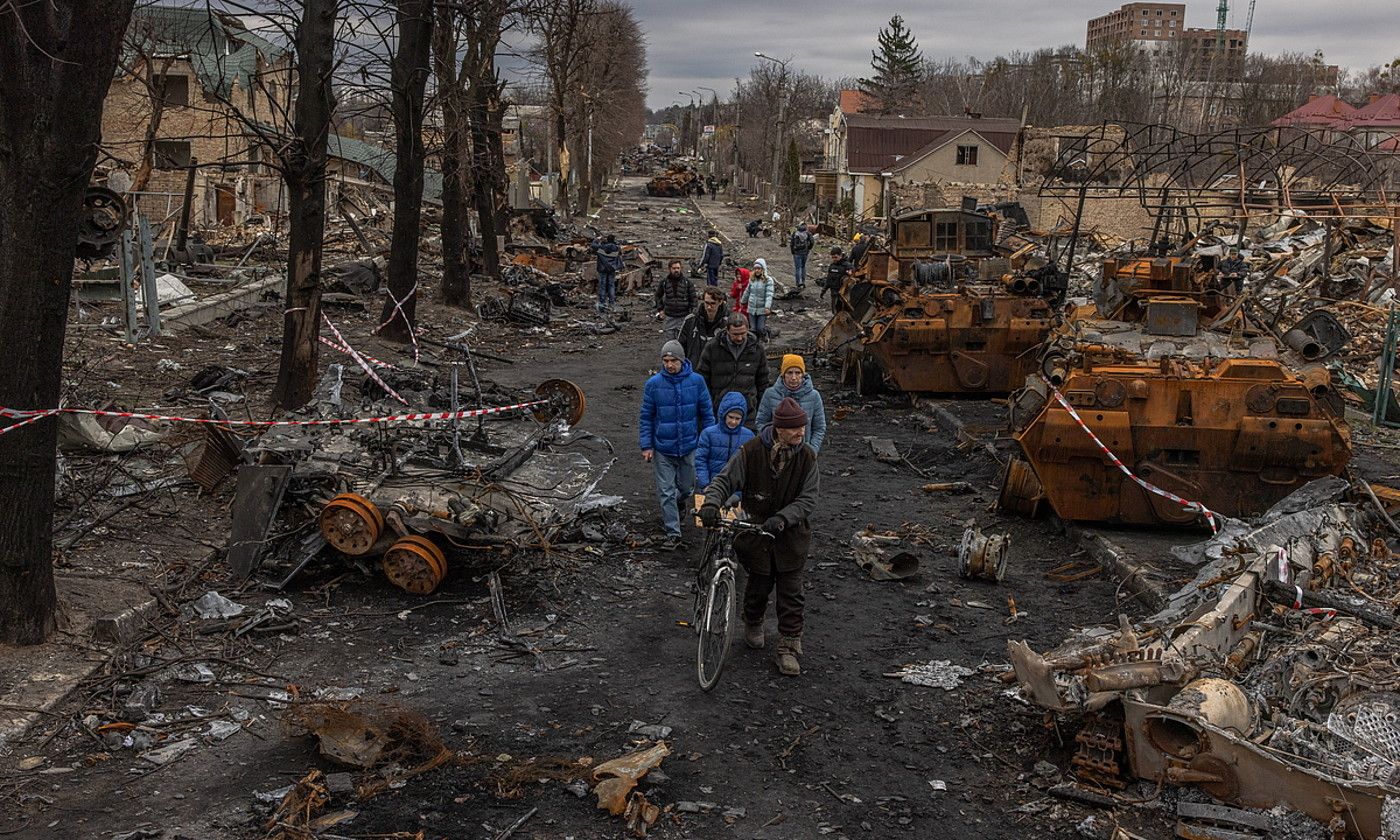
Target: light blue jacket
x=759, y=295
x=807, y=397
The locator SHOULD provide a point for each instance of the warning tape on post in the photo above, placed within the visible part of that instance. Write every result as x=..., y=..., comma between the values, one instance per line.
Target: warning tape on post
x=1195, y=507
x=27, y=417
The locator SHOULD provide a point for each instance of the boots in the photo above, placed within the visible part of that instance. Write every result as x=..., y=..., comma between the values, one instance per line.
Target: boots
x=753, y=635
x=789, y=648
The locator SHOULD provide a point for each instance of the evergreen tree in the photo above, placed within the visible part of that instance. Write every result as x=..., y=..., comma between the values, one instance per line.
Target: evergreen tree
x=898, y=69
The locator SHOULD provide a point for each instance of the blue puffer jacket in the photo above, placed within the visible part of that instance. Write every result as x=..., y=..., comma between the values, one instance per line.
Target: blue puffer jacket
x=675, y=408
x=718, y=443
x=807, y=397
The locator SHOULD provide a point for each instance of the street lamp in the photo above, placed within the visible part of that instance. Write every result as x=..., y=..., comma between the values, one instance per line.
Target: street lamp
x=690, y=114
x=782, y=116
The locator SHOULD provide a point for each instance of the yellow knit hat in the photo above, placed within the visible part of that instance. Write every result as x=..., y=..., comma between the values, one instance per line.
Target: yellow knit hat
x=792, y=360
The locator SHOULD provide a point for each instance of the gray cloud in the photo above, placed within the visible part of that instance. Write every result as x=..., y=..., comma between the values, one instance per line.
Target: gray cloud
x=691, y=44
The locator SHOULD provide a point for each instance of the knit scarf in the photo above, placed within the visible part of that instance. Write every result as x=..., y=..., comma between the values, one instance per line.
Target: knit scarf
x=779, y=456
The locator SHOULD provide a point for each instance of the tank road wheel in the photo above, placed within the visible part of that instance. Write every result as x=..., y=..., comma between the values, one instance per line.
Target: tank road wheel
x=1021, y=492
x=870, y=379
x=351, y=524
x=414, y=564
x=566, y=400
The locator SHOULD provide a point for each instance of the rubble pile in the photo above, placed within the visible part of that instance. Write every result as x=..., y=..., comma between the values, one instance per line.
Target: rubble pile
x=1268, y=680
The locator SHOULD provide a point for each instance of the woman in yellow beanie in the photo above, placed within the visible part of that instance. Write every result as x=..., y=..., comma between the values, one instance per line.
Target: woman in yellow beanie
x=796, y=383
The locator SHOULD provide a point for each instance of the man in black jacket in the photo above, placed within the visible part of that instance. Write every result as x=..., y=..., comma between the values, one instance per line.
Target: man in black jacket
x=836, y=272
x=704, y=323
x=609, y=263
x=801, y=245
x=675, y=298
x=735, y=360
x=777, y=473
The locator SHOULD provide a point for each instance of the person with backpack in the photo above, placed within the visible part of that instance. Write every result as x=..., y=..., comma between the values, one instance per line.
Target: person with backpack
x=758, y=298
x=609, y=262
x=800, y=245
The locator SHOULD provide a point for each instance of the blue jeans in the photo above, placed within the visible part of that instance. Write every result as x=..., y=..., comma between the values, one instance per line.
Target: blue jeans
x=760, y=323
x=711, y=275
x=799, y=268
x=675, y=485
x=607, y=290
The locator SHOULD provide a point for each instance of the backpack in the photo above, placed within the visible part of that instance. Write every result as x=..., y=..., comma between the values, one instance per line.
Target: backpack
x=801, y=241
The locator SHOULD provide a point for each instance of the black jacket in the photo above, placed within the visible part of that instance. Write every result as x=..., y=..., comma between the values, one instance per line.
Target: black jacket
x=713, y=256
x=745, y=371
x=697, y=329
x=675, y=296
x=836, y=274
x=801, y=241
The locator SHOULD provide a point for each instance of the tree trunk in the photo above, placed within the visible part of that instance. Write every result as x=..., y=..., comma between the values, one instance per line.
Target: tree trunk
x=484, y=168
x=304, y=171
x=561, y=140
x=155, y=92
x=58, y=60
x=408, y=76
x=456, y=261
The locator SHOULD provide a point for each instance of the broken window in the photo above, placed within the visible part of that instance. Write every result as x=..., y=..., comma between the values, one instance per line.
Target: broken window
x=967, y=156
x=945, y=236
x=172, y=154
x=177, y=91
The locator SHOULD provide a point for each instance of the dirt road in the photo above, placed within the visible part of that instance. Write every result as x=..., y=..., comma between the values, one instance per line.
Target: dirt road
x=842, y=751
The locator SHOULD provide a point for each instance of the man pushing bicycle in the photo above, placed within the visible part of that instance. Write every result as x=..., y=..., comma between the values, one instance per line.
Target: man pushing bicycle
x=777, y=473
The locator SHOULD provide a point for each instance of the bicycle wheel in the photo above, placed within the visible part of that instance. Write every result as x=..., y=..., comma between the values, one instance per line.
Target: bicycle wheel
x=716, y=629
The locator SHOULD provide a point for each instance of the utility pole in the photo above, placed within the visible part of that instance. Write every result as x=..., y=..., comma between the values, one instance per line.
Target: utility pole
x=782, y=119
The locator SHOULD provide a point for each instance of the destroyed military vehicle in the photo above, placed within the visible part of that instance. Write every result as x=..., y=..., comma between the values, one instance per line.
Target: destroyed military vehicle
x=938, y=307
x=1187, y=389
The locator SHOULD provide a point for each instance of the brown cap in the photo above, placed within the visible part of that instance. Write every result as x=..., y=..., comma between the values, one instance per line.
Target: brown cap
x=789, y=415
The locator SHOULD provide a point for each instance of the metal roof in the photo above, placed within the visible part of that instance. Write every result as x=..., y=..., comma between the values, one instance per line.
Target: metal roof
x=881, y=143
x=220, y=48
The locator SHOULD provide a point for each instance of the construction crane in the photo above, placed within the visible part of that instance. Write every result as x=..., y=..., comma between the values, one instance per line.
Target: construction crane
x=1249, y=22
x=1221, y=12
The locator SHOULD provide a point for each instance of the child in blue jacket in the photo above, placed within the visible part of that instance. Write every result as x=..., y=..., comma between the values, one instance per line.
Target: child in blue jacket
x=719, y=442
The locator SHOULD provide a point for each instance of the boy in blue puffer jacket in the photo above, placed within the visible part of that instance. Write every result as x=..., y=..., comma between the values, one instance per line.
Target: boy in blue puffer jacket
x=675, y=408
x=719, y=442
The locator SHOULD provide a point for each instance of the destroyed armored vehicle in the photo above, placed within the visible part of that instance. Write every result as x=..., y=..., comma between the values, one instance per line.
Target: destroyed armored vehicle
x=1187, y=390
x=938, y=307
x=675, y=182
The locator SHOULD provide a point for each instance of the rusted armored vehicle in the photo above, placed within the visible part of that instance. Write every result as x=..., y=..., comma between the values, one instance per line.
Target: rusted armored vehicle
x=675, y=182
x=937, y=307
x=1186, y=390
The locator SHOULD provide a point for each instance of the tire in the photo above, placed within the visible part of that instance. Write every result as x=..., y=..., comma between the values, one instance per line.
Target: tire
x=716, y=630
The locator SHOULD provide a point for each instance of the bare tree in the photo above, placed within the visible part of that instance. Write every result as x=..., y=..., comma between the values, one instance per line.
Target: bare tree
x=408, y=78
x=146, y=61
x=58, y=60
x=456, y=260
x=610, y=100
x=560, y=56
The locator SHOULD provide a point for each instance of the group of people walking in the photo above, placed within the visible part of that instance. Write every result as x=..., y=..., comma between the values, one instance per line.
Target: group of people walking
x=693, y=429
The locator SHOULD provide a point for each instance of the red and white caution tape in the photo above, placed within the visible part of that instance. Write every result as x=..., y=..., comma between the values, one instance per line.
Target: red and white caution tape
x=1195, y=507
x=400, y=313
x=360, y=360
x=347, y=351
x=34, y=416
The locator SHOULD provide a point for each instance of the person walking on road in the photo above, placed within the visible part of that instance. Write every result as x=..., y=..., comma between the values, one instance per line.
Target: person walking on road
x=675, y=409
x=777, y=473
x=719, y=442
x=801, y=245
x=836, y=272
x=735, y=361
x=609, y=261
x=795, y=383
x=712, y=184
x=736, y=290
x=675, y=298
x=704, y=323
x=758, y=297
x=712, y=258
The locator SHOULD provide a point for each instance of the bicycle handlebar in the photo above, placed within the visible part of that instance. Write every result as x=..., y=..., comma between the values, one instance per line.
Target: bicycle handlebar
x=740, y=525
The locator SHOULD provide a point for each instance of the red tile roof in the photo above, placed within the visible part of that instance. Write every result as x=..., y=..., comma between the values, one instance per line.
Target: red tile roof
x=877, y=144
x=1326, y=110
x=857, y=101
x=1381, y=111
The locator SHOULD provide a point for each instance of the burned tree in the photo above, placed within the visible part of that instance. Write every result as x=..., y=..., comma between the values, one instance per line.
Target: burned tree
x=303, y=164
x=456, y=259
x=561, y=56
x=408, y=77
x=58, y=60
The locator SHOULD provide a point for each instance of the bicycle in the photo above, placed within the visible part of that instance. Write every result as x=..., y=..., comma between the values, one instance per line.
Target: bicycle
x=714, y=599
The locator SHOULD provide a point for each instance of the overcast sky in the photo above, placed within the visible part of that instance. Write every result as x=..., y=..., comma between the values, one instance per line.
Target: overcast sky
x=709, y=43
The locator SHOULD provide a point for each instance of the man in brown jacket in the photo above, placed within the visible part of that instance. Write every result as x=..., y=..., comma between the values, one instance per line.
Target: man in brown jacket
x=777, y=473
